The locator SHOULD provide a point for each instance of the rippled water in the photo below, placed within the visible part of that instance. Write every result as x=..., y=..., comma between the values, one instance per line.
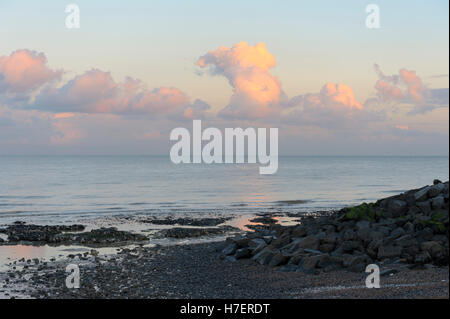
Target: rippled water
x=58, y=188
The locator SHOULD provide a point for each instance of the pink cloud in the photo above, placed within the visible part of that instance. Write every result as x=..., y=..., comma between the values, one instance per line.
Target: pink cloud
x=387, y=91
x=402, y=127
x=416, y=89
x=63, y=115
x=96, y=91
x=335, y=105
x=256, y=92
x=24, y=71
x=407, y=88
x=339, y=95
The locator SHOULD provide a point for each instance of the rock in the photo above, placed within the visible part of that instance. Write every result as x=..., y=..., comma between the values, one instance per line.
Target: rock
x=325, y=261
x=422, y=194
x=422, y=258
x=268, y=239
x=264, y=256
x=278, y=259
x=424, y=206
x=376, y=235
x=20, y=231
x=359, y=263
x=372, y=248
x=296, y=258
x=242, y=242
x=94, y=252
x=258, y=249
x=309, y=242
x=424, y=234
x=349, y=234
x=299, y=231
x=309, y=263
x=362, y=224
x=397, y=207
x=329, y=229
x=435, y=190
x=256, y=242
x=330, y=239
x=230, y=249
x=438, y=202
x=436, y=181
x=352, y=260
x=242, y=253
x=433, y=248
x=409, y=227
x=385, y=230
x=312, y=251
x=405, y=241
x=187, y=221
x=440, y=238
x=351, y=245
x=364, y=234
x=291, y=247
x=327, y=248
x=389, y=251
x=188, y=232
x=398, y=232
x=282, y=241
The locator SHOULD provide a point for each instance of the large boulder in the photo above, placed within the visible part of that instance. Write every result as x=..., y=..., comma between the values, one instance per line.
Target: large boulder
x=278, y=259
x=422, y=194
x=397, y=207
x=438, y=202
x=230, y=249
x=242, y=253
x=309, y=242
x=389, y=251
x=265, y=255
x=435, y=190
x=435, y=249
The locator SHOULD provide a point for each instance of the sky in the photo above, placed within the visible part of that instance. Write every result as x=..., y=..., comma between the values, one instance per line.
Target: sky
x=135, y=70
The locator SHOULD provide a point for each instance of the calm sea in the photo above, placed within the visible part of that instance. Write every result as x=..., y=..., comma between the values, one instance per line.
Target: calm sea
x=60, y=188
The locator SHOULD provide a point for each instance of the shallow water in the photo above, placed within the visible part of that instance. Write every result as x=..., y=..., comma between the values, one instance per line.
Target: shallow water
x=52, y=189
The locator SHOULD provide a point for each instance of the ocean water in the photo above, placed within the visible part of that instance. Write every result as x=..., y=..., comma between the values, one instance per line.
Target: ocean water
x=65, y=188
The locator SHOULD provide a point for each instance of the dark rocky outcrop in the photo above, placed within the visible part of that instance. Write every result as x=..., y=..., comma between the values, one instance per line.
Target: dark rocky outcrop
x=200, y=222
x=66, y=234
x=187, y=232
x=409, y=229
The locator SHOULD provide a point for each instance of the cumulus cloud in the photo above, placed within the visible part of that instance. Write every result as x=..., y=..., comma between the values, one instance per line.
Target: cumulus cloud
x=96, y=91
x=333, y=96
x=256, y=92
x=25, y=71
x=408, y=88
x=334, y=106
x=27, y=81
